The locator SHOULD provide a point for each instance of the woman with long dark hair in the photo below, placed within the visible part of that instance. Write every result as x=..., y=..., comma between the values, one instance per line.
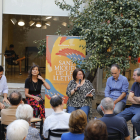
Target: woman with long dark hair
x=33, y=91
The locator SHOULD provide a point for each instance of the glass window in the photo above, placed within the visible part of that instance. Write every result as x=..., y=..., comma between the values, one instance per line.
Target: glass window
x=21, y=31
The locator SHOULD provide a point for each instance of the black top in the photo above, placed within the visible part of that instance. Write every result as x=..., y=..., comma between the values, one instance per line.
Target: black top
x=34, y=88
x=115, y=124
x=136, y=90
x=10, y=53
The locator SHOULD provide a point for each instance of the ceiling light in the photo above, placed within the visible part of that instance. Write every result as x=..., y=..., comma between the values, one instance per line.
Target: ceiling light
x=44, y=27
x=48, y=17
x=31, y=23
x=48, y=23
x=64, y=24
x=56, y=18
x=13, y=20
x=38, y=24
x=21, y=23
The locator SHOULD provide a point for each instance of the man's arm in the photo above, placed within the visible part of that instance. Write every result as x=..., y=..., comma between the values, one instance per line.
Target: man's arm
x=5, y=92
x=124, y=90
x=137, y=99
x=127, y=138
x=107, y=89
x=120, y=97
x=131, y=99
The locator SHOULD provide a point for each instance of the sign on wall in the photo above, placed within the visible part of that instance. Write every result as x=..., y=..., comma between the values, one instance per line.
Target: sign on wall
x=59, y=67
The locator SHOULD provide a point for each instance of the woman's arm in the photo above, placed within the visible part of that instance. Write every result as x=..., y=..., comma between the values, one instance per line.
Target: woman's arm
x=31, y=96
x=45, y=84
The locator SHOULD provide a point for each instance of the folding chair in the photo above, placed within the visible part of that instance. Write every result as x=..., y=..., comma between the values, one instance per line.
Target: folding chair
x=115, y=136
x=57, y=133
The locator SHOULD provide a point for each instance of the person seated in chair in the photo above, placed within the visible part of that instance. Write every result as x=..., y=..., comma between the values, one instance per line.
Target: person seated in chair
x=58, y=119
x=12, y=58
x=8, y=115
x=114, y=123
x=25, y=112
x=96, y=130
x=17, y=130
x=77, y=125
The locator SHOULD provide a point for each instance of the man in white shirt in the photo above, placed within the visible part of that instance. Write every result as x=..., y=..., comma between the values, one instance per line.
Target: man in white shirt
x=3, y=90
x=58, y=119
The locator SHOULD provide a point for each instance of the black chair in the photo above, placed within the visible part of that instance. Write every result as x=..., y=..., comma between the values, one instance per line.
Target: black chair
x=3, y=131
x=133, y=132
x=115, y=136
x=57, y=133
x=34, y=120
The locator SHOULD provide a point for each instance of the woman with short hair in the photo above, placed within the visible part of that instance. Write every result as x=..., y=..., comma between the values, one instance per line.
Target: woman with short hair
x=96, y=130
x=77, y=124
x=80, y=92
x=25, y=112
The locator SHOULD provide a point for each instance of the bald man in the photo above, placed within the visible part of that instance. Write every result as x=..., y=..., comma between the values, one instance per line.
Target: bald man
x=117, y=89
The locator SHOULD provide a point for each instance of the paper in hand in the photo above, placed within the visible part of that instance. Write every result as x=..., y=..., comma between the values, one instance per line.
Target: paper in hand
x=90, y=91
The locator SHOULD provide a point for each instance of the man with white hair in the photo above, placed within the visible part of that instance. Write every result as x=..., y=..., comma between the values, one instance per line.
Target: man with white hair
x=25, y=112
x=17, y=130
x=114, y=124
x=58, y=119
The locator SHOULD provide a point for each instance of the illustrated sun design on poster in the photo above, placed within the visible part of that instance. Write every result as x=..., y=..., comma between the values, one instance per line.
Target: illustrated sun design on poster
x=60, y=50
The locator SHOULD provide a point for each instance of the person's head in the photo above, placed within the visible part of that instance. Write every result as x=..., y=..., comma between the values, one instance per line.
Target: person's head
x=1, y=71
x=115, y=71
x=136, y=75
x=15, y=98
x=77, y=121
x=25, y=112
x=34, y=71
x=107, y=104
x=78, y=74
x=96, y=130
x=56, y=101
x=11, y=47
x=17, y=130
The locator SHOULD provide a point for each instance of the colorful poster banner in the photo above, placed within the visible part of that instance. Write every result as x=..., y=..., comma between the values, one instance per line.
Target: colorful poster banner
x=59, y=67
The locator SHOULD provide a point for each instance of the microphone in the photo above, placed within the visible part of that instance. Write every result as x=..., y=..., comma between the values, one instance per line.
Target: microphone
x=79, y=83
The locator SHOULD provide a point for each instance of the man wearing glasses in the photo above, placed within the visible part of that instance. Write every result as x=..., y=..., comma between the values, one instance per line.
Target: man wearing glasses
x=117, y=89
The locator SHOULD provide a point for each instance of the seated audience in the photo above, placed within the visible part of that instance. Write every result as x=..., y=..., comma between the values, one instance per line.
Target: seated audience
x=114, y=123
x=8, y=115
x=17, y=130
x=25, y=112
x=95, y=130
x=58, y=119
x=77, y=124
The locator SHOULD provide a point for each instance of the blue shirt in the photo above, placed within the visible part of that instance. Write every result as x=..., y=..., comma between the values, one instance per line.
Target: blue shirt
x=115, y=124
x=114, y=88
x=136, y=90
x=72, y=136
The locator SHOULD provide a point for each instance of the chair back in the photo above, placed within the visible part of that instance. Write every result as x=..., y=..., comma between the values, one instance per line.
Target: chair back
x=115, y=136
x=3, y=131
x=57, y=133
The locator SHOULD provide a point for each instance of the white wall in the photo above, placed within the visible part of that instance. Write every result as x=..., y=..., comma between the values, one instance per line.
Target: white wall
x=34, y=7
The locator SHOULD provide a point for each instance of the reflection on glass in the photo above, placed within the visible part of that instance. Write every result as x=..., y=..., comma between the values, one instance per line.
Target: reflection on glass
x=23, y=37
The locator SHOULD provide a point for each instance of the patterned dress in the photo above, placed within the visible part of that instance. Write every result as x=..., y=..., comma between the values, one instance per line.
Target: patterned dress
x=35, y=90
x=79, y=99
